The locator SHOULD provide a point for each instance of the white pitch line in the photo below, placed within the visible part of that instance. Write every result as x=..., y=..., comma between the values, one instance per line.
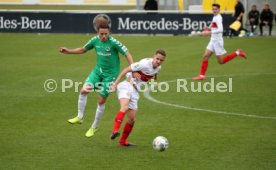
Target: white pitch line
x=149, y=97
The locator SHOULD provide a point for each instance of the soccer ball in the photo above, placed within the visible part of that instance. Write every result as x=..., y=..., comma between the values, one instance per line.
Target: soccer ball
x=160, y=143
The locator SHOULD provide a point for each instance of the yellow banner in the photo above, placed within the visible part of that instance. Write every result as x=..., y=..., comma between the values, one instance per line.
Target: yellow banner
x=180, y=5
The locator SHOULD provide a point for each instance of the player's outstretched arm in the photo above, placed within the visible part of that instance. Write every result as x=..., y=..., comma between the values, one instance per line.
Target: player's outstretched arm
x=130, y=61
x=121, y=75
x=207, y=28
x=205, y=33
x=65, y=50
x=129, y=58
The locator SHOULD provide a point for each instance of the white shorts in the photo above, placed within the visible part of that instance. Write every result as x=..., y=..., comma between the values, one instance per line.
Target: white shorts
x=216, y=47
x=126, y=90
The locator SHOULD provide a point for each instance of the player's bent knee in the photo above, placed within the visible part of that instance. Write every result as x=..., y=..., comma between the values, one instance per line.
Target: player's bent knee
x=131, y=121
x=205, y=57
x=83, y=92
x=220, y=59
x=220, y=62
x=101, y=100
x=124, y=108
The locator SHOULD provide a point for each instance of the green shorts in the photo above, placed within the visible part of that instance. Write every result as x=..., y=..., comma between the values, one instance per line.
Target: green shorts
x=100, y=81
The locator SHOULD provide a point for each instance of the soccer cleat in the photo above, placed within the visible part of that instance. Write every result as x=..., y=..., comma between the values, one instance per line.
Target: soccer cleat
x=126, y=144
x=200, y=77
x=75, y=120
x=114, y=135
x=91, y=132
x=241, y=53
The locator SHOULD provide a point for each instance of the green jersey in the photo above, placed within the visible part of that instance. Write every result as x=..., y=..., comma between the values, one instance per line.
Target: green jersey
x=108, y=60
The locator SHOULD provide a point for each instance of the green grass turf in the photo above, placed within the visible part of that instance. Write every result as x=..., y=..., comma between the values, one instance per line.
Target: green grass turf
x=35, y=133
x=67, y=7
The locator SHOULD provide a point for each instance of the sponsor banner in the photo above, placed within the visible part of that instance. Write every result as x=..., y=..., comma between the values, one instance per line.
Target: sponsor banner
x=122, y=23
x=41, y=22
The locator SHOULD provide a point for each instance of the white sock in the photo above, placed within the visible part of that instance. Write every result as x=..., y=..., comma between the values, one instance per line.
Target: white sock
x=237, y=52
x=98, y=115
x=81, y=105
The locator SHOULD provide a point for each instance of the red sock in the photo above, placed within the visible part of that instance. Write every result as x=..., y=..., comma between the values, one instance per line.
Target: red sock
x=204, y=67
x=127, y=129
x=229, y=57
x=118, y=121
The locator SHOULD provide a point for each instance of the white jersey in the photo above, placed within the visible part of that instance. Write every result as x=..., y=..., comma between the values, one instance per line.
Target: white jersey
x=127, y=90
x=145, y=68
x=216, y=28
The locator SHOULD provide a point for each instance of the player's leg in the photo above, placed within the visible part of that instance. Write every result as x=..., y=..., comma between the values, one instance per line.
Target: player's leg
x=98, y=115
x=220, y=51
x=131, y=114
x=124, y=94
x=124, y=102
x=224, y=59
x=87, y=87
x=103, y=89
x=204, y=64
x=81, y=106
x=99, y=111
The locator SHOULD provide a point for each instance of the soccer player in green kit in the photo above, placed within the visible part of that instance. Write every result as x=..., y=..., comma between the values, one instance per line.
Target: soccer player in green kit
x=105, y=72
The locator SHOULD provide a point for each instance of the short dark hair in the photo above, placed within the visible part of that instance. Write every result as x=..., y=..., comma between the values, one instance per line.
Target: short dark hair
x=216, y=5
x=102, y=23
x=162, y=52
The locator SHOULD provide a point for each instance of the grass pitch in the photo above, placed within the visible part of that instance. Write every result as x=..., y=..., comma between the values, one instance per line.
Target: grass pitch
x=35, y=133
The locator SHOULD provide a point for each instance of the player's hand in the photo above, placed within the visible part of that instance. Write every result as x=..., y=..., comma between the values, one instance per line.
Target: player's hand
x=136, y=75
x=113, y=87
x=63, y=50
x=206, y=29
x=205, y=33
